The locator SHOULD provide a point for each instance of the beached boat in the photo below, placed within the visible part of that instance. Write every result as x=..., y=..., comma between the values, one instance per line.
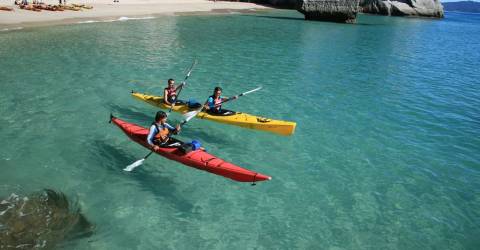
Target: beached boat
x=48, y=7
x=71, y=7
x=88, y=7
x=6, y=8
x=30, y=7
x=232, y=118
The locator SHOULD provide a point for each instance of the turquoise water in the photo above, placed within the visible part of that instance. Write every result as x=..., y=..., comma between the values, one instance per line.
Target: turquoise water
x=386, y=154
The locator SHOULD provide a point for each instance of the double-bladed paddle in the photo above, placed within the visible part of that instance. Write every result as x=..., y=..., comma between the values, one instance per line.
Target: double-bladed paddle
x=183, y=84
x=140, y=162
x=189, y=115
x=137, y=163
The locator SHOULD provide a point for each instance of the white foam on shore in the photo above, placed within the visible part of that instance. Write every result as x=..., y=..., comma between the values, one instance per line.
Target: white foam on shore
x=126, y=18
x=121, y=19
x=89, y=21
x=11, y=29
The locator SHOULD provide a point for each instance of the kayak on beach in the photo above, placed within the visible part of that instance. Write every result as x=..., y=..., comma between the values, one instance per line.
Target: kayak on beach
x=198, y=158
x=228, y=117
x=6, y=8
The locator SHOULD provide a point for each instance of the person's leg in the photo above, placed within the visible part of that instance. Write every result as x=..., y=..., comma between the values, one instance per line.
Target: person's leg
x=169, y=143
x=171, y=100
x=180, y=102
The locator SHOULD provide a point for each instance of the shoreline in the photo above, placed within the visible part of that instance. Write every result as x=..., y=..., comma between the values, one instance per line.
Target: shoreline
x=20, y=19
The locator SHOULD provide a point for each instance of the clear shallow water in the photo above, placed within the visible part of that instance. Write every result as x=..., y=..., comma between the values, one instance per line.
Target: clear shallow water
x=386, y=154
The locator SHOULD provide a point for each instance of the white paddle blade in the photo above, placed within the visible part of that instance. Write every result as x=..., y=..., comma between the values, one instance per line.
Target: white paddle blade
x=253, y=90
x=189, y=115
x=134, y=165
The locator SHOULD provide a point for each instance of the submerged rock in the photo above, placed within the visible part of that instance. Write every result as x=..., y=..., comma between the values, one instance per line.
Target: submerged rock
x=342, y=11
x=40, y=220
x=425, y=8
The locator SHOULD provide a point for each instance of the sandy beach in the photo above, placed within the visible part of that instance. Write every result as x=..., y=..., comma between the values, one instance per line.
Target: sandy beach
x=104, y=10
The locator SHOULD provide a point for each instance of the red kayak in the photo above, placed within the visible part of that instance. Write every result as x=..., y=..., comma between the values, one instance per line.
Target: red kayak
x=198, y=159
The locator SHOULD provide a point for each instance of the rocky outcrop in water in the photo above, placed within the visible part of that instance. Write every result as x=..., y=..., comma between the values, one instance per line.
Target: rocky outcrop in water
x=334, y=10
x=39, y=220
x=425, y=8
x=342, y=11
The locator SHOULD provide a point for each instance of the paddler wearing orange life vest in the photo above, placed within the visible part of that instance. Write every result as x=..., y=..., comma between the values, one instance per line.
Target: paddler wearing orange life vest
x=160, y=131
x=214, y=102
x=170, y=92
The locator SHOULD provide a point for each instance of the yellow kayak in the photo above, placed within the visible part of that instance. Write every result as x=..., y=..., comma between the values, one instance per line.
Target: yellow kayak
x=233, y=118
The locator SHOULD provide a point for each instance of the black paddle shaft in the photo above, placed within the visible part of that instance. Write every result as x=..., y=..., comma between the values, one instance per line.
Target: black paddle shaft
x=151, y=152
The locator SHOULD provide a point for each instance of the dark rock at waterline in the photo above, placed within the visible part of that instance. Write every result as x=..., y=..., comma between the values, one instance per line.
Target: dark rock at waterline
x=342, y=11
x=333, y=11
x=290, y=4
x=284, y=3
x=40, y=220
x=424, y=8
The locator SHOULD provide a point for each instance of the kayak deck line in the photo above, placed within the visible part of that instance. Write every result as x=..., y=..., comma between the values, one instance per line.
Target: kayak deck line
x=240, y=119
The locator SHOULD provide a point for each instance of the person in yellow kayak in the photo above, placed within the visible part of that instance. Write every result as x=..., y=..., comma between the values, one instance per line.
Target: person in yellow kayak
x=160, y=131
x=214, y=102
x=170, y=92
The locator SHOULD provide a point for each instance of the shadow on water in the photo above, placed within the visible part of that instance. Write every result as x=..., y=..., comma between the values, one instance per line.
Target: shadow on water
x=279, y=17
x=302, y=19
x=369, y=24
x=116, y=159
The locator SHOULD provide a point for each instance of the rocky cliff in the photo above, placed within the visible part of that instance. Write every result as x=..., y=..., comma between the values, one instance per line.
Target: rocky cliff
x=425, y=8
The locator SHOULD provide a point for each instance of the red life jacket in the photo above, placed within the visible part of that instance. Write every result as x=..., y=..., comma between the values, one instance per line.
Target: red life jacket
x=218, y=101
x=171, y=92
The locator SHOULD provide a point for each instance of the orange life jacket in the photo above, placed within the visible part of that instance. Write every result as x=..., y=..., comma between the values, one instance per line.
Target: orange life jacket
x=163, y=134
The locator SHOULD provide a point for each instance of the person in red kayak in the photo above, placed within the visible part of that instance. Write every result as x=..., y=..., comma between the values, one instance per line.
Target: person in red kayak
x=214, y=102
x=170, y=92
x=160, y=131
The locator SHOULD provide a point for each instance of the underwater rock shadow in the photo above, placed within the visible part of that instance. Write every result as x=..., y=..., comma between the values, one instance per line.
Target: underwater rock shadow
x=41, y=220
x=160, y=186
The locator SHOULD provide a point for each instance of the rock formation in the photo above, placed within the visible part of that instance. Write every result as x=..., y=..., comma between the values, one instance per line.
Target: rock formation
x=39, y=220
x=342, y=11
x=345, y=11
x=425, y=8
